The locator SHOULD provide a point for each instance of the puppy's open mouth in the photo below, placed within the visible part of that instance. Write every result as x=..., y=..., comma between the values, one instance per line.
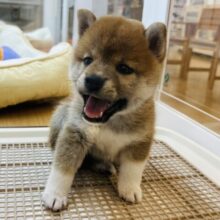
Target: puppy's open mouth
x=100, y=110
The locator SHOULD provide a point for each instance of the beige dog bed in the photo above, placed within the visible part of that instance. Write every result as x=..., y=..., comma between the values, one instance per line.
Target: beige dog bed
x=36, y=78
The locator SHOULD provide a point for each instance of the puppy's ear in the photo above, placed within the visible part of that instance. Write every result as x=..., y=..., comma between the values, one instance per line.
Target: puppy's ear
x=86, y=18
x=156, y=35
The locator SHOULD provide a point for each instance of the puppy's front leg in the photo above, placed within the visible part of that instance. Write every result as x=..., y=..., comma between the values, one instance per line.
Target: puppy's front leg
x=129, y=180
x=132, y=164
x=69, y=153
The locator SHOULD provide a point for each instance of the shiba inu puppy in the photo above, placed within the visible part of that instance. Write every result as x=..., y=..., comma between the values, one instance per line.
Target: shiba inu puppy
x=117, y=66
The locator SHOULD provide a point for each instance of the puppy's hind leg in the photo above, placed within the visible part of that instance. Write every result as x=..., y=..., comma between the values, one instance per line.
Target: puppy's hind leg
x=71, y=148
x=58, y=119
x=98, y=165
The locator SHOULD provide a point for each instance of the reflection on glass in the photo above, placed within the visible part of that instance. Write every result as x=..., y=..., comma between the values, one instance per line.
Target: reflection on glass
x=27, y=16
x=192, y=73
x=127, y=8
x=70, y=24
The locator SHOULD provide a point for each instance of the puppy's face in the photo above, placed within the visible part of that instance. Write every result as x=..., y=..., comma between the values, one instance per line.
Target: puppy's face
x=117, y=64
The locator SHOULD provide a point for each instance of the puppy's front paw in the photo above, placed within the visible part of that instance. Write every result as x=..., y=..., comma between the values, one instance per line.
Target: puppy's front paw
x=53, y=200
x=131, y=193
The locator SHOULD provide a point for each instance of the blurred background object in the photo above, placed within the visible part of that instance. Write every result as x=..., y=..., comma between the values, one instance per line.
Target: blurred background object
x=191, y=84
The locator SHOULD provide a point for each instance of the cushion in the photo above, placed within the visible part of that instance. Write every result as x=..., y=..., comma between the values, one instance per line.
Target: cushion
x=35, y=78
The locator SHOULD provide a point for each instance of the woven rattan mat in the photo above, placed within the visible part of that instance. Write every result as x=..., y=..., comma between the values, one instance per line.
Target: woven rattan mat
x=173, y=189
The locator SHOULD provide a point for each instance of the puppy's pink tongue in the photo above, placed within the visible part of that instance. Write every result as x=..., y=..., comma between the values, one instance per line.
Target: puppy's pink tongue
x=94, y=107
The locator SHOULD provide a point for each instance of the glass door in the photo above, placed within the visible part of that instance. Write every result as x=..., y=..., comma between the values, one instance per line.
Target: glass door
x=190, y=83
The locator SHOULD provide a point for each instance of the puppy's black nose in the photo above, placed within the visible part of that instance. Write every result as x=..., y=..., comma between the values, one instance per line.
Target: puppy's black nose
x=94, y=83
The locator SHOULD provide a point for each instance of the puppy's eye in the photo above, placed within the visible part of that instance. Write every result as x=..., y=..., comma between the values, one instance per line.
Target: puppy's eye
x=87, y=60
x=124, y=69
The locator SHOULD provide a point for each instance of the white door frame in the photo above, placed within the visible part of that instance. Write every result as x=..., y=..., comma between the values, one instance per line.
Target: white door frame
x=52, y=17
x=155, y=11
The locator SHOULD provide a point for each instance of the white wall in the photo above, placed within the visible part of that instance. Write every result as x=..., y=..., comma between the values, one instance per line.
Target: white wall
x=155, y=10
x=98, y=7
x=52, y=17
